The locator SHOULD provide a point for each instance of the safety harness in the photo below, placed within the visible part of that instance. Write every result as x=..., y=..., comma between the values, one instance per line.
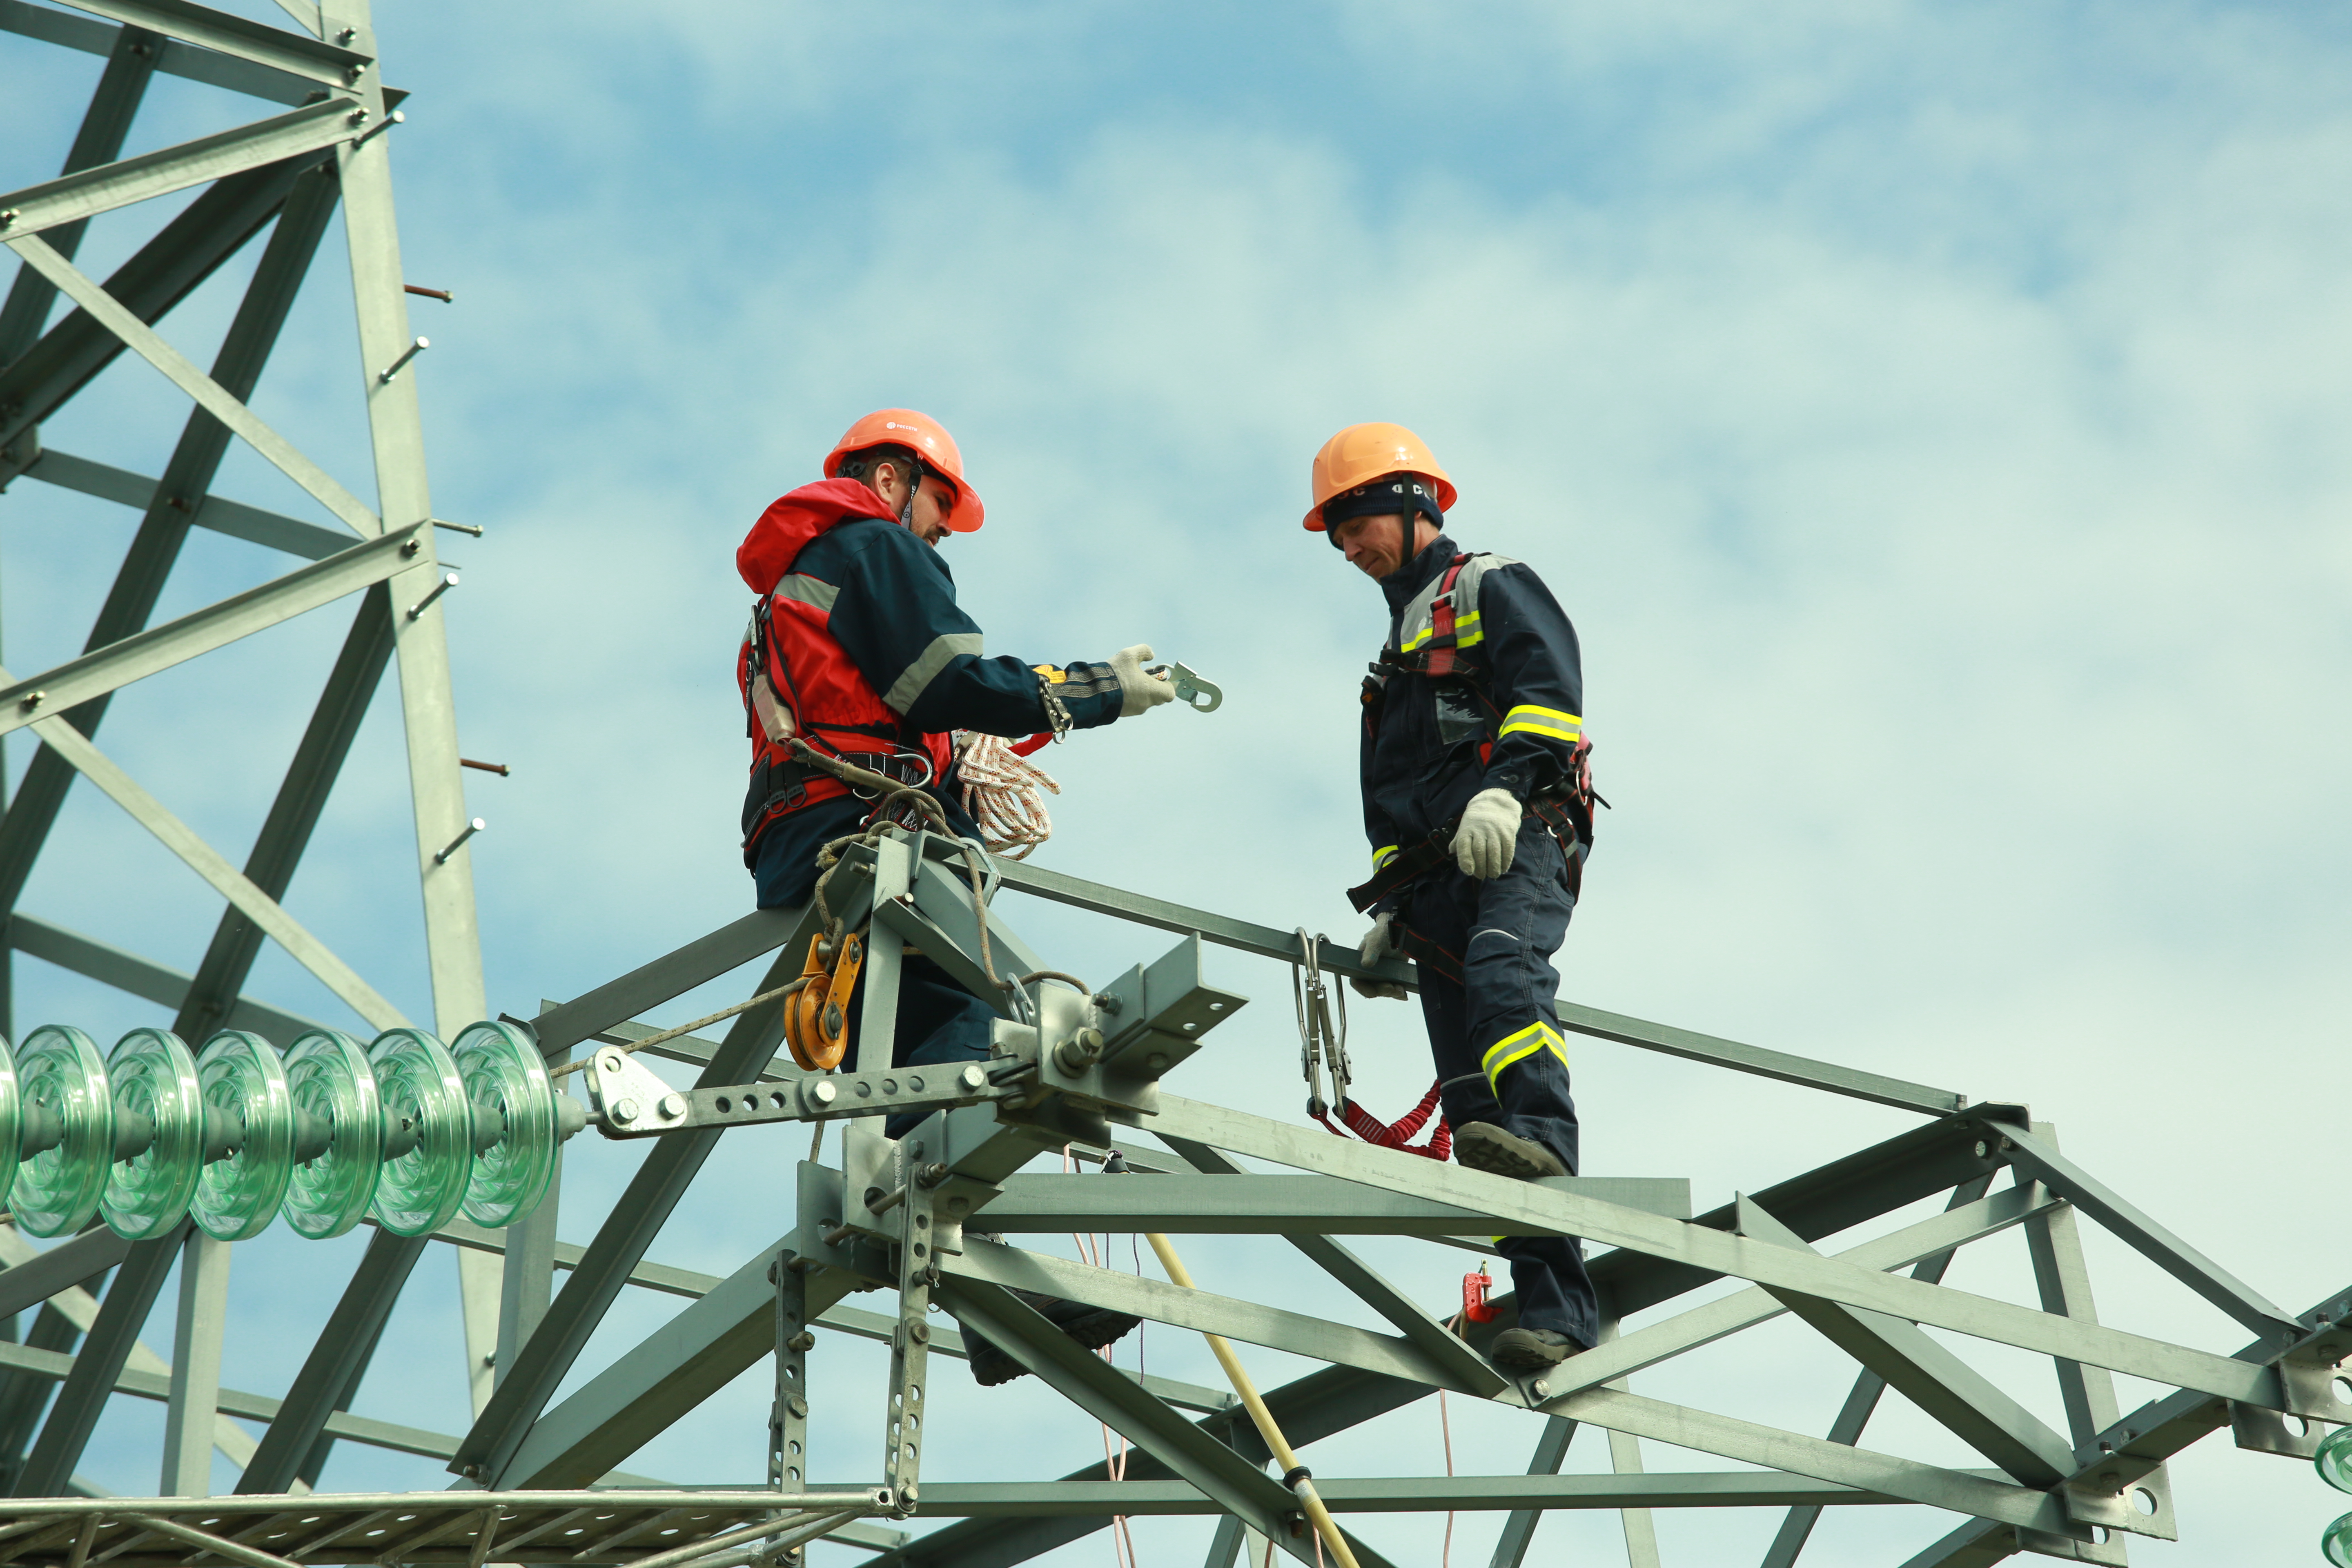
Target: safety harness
x=1440, y=637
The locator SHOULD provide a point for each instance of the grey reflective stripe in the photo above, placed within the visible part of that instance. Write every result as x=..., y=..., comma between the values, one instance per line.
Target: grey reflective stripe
x=918, y=675
x=802, y=589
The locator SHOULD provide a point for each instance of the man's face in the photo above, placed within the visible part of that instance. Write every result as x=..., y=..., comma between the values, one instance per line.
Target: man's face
x=1371, y=544
x=933, y=501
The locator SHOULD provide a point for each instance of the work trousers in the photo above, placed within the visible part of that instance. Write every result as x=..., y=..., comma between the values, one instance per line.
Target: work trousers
x=939, y=1020
x=1497, y=1043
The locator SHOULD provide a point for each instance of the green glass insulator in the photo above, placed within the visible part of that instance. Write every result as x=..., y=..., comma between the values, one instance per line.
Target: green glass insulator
x=2335, y=1541
x=158, y=1103
x=428, y=1133
x=335, y=1108
x=515, y=1138
x=244, y=1086
x=68, y=1132
x=11, y=1120
x=2333, y=1461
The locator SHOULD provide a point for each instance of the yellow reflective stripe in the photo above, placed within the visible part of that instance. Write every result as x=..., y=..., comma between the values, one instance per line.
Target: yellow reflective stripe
x=1467, y=632
x=1517, y=1047
x=1426, y=633
x=1547, y=721
x=1053, y=675
x=1380, y=856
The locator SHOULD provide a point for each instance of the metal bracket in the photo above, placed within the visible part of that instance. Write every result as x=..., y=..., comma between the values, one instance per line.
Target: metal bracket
x=2262, y=1431
x=629, y=1101
x=2113, y=1495
x=918, y=1271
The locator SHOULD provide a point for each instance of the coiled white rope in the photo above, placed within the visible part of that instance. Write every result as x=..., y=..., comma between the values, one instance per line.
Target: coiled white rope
x=1006, y=795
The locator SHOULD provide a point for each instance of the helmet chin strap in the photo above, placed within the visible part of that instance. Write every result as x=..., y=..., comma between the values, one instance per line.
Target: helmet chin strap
x=907, y=507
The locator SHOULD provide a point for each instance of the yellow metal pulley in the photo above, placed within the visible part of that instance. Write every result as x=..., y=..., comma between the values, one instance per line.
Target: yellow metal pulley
x=816, y=1023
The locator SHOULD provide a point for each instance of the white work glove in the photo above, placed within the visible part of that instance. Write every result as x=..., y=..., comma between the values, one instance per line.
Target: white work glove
x=1483, y=845
x=1377, y=943
x=1139, y=690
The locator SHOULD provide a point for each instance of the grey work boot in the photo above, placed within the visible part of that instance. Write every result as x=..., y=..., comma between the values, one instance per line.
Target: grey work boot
x=1531, y=1349
x=1482, y=1146
x=1092, y=1327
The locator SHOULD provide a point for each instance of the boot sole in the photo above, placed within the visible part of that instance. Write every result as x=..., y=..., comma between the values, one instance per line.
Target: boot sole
x=1501, y=1154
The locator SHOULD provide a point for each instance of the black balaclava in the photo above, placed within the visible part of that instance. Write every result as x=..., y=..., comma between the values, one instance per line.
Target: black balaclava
x=1409, y=494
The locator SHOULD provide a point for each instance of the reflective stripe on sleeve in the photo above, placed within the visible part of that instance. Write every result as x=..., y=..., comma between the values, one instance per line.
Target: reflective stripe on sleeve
x=916, y=678
x=1519, y=1048
x=1383, y=855
x=1549, y=723
x=802, y=589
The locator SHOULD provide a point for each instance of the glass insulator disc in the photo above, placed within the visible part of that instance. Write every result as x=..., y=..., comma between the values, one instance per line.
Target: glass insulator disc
x=153, y=1079
x=334, y=1093
x=61, y=1081
x=11, y=1120
x=515, y=1139
x=244, y=1086
x=429, y=1130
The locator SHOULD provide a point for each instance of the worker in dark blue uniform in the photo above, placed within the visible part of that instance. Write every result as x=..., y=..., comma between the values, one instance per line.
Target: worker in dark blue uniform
x=1478, y=805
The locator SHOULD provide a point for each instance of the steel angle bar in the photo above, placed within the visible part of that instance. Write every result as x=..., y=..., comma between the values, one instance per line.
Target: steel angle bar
x=1950, y=1392
x=1426, y=1494
x=307, y=14
x=1962, y=1491
x=1801, y=1071
x=319, y=61
x=944, y=899
x=501, y=1431
x=1979, y=1543
x=2251, y=1308
x=286, y=832
x=705, y=958
x=1283, y=945
x=192, y=1406
x=1080, y=1376
x=92, y=36
x=1862, y=1400
x=1246, y=936
x=207, y=862
x=1277, y=1204
x=130, y=63
x=1425, y=1334
x=1977, y=1316
x=219, y=515
x=26, y=699
x=165, y=986
x=1519, y=1530
x=78, y=197
x=61, y=1268
x=1204, y=1313
x=124, y=323
x=182, y=255
x=343, y=1347
x=121, y=1315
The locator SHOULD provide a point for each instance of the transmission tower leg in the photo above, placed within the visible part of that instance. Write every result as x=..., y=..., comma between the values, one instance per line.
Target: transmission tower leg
x=189, y=1417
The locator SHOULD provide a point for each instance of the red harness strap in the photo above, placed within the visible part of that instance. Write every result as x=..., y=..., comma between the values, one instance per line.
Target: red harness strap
x=1372, y=1130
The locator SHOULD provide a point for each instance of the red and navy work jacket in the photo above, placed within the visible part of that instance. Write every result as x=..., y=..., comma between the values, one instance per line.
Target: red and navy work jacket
x=1479, y=687
x=863, y=645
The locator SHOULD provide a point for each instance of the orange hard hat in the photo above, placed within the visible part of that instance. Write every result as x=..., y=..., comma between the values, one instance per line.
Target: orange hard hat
x=1363, y=452
x=929, y=440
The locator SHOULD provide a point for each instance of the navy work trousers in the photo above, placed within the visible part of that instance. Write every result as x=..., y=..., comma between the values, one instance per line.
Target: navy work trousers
x=1497, y=1031
x=939, y=1020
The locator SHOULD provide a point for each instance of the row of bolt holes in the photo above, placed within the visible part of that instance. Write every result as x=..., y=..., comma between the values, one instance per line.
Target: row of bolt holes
x=864, y=1090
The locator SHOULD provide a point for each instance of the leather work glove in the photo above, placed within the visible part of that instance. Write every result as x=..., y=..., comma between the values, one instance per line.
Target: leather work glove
x=1136, y=690
x=1489, y=833
x=1379, y=942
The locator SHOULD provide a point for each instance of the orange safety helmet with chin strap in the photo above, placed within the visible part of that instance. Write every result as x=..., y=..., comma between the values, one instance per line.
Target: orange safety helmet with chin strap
x=1363, y=452
x=933, y=448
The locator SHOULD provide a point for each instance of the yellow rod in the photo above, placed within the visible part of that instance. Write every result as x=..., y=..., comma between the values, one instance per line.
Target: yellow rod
x=1246, y=1391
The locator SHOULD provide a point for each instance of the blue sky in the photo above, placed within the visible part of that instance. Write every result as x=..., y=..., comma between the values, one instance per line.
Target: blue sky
x=1931, y=417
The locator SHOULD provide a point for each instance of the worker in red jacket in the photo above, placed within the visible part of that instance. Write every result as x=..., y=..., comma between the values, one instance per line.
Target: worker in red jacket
x=857, y=649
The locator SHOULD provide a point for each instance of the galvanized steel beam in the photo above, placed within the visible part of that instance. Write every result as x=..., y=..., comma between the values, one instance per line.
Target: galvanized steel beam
x=121, y=1314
